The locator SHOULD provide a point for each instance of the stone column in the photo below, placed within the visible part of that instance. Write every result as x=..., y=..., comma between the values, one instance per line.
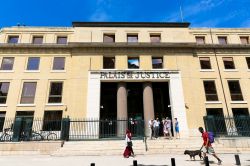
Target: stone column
x=148, y=105
x=122, y=113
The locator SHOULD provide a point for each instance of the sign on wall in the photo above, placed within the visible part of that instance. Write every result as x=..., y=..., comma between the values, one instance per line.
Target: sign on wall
x=135, y=75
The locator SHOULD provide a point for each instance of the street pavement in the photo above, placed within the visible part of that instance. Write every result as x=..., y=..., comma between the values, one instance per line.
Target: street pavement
x=142, y=160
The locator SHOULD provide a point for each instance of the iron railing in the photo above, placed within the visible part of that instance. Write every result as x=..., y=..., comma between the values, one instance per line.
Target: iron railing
x=238, y=126
x=104, y=129
x=30, y=129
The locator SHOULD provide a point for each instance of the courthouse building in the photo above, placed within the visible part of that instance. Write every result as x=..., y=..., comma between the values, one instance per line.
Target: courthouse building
x=124, y=70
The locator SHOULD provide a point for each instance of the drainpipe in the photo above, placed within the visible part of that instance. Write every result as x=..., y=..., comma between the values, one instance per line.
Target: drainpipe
x=218, y=67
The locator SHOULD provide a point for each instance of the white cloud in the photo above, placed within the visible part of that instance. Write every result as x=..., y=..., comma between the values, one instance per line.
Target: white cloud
x=99, y=15
x=194, y=9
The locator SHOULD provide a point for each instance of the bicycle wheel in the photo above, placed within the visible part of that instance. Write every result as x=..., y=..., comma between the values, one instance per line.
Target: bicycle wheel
x=51, y=137
x=36, y=137
x=7, y=138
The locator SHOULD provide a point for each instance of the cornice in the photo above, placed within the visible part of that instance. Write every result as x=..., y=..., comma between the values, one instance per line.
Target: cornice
x=126, y=45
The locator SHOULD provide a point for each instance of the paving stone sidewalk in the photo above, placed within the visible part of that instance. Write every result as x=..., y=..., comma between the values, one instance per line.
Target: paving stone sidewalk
x=142, y=160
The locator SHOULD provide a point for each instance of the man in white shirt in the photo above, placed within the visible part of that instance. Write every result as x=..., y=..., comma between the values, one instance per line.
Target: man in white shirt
x=156, y=127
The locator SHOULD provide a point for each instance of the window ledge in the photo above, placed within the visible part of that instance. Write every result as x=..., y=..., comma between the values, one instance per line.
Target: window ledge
x=54, y=104
x=133, y=69
x=108, y=69
x=3, y=105
x=158, y=69
x=32, y=71
x=6, y=71
x=213, y=102
x=231, y=70
x=206, y=70
x=238, y=102
x=26, y=105
x=58, y=71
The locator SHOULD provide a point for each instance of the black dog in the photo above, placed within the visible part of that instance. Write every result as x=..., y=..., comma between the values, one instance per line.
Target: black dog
x=193, y=153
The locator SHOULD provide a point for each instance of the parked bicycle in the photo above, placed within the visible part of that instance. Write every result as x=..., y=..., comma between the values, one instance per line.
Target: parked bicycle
x=43, y=135
x=6, y=136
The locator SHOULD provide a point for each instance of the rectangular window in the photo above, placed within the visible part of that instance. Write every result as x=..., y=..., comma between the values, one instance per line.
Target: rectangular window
x=133, y=63
x=222, y=39
x=59, y=63
x=235, y=90
x=108, y=38
x=240, y=112
x=205, y=63
x=155, y=38
x=33, y=63
x=132, y=38
x=210, y=91
x=7, y=63
x=25, y=114
x=13, y=39
x=217, y=112
x=52, y=120
x=4, y=88
x=61, y=40
x=248, y=62
x=2, y=119
x=157, y=62
x=28, y=93
x=228, y=63
x=200, y=39
x=37, y=40
x=244, y=39
x=55, y=94
x=108, y=62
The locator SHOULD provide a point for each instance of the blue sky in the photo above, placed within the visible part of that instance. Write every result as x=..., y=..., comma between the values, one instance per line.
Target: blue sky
x=200, y=13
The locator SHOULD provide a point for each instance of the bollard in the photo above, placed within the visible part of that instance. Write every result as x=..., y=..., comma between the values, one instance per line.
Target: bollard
x=92, y=164
x=172, y=162
x=237, y=159
x=135, y=163
x=206, y=161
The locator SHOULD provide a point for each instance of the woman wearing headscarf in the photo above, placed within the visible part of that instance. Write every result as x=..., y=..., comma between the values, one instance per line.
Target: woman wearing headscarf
x=129, y=150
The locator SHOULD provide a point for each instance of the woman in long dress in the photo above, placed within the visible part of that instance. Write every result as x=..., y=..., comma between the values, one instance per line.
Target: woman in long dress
x=129, y=150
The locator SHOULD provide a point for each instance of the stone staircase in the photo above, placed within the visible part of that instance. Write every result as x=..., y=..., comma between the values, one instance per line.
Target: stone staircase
x=116, y=147
x=158, y=146
x=107, y=147
x=29, y=148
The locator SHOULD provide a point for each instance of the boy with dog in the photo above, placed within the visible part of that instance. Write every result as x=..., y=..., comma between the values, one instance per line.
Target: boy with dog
x=207, y=146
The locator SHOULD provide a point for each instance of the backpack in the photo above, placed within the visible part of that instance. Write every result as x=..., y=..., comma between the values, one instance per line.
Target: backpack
x=211, y=137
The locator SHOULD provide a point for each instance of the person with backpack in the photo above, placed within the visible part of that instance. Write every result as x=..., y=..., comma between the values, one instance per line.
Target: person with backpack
x=208, y=139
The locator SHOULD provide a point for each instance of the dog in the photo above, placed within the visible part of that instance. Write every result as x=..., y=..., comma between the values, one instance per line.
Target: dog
x=193, y=153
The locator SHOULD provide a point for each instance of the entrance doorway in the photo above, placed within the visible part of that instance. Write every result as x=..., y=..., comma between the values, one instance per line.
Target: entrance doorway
x=26, y=124
x=108, y=110
x=162, y=107
x=108, y=107
x=135, y=100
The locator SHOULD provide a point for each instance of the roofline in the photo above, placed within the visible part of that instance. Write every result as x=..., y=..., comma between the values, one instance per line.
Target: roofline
x=133, y=24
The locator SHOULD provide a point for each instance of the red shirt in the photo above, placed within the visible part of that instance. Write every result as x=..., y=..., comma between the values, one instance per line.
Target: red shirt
x=205, y=138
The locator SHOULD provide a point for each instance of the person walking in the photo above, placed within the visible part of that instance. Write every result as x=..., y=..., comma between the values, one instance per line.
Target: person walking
x=207, y=146
x=128, y=150
x=177, y=130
